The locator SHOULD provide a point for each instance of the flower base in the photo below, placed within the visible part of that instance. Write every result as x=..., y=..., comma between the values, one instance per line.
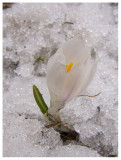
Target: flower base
x=65, y=132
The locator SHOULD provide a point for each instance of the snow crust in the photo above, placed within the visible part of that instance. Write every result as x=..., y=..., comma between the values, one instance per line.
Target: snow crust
x=35, y=30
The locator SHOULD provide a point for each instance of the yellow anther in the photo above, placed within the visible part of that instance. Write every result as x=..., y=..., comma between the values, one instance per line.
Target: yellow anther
x=68, y=67
x=90, y=58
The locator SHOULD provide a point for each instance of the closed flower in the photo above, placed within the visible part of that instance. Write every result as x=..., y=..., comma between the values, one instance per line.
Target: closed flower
x=69, y=72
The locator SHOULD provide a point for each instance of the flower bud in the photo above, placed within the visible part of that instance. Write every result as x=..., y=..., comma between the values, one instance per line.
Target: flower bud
x=69, y=72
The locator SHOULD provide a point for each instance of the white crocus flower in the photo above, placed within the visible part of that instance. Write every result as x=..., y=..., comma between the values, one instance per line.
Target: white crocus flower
x=69, y=72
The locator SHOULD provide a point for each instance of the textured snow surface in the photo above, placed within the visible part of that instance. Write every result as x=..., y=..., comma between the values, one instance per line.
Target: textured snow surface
x=31, y=31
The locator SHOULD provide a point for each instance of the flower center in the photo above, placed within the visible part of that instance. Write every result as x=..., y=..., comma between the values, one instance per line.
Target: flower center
x=68, y=67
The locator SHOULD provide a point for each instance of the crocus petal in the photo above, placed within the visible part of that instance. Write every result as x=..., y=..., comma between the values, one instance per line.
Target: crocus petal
x=75, y=50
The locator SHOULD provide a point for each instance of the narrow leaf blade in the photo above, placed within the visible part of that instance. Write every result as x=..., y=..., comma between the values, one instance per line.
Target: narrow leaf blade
x=39, y=100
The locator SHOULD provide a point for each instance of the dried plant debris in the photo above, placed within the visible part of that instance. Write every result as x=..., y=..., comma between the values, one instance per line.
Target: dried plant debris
x=7, y=5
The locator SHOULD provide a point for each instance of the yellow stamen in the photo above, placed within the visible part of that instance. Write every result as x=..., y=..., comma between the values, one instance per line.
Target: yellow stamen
x=68, y=67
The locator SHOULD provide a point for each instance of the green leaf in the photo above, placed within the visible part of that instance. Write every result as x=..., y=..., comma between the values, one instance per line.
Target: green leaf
x=42, y=59
x=39, y=100
x=39, y=59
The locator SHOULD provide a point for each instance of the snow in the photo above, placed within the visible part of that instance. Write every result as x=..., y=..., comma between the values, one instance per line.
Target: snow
x=35, y=30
